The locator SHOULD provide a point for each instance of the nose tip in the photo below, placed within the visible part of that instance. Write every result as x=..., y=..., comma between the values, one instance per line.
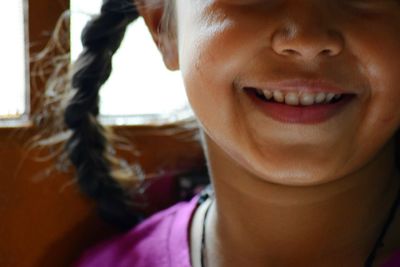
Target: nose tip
x=307, y=44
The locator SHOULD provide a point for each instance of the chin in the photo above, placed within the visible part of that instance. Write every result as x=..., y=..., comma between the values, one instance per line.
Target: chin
x=298, y=174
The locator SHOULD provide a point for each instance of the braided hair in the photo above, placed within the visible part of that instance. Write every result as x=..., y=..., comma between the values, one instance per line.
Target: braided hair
x=87, y=147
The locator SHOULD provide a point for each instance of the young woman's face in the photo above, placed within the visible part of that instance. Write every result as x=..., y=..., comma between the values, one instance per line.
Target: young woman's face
x=309, y=50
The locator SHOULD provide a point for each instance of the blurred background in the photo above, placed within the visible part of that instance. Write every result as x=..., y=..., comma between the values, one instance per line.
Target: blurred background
x=45, y=220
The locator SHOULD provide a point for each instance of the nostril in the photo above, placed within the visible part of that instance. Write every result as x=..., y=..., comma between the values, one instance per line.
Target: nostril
x=289, y=52
x=326, y=52
x=307, y=43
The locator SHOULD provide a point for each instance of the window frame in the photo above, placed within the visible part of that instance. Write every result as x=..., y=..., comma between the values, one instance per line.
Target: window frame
x=49, y=221
x=54, y=203
x=37, y=35
x=173, y=136
x=23, y=119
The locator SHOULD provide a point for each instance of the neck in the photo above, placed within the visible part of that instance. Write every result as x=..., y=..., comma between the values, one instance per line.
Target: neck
x=256, y=223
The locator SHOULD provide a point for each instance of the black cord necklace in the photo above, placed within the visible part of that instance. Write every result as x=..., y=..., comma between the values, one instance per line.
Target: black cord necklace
x=379, y=242
x=207, y=193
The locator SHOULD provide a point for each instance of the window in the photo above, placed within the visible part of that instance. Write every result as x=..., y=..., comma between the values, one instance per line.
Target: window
x=140, y=89
x=27, y=203
x=13, y=67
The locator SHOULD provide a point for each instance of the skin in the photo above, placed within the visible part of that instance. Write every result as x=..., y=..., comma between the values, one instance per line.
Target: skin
x=291, y=194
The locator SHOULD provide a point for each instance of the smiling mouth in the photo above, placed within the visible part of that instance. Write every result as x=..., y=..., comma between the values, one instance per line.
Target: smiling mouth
x=295, y=98
x=299, y=107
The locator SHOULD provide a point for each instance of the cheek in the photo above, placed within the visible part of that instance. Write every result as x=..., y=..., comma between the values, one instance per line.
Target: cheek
x=209, y=66
x=377, y=51
x=383, y=72
x=211, y=98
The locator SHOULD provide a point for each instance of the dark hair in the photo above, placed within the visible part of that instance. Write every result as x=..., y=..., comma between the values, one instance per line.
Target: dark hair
x=88, y=147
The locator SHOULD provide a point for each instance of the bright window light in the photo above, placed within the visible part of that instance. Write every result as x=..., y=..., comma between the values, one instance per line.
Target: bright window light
x=140, y=85
x=13, y=60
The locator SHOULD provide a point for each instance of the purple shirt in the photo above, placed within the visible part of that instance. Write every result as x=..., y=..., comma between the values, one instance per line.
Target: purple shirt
x=160, y=241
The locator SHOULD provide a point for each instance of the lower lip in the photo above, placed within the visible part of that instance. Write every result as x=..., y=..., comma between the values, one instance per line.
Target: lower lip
x=313, y=114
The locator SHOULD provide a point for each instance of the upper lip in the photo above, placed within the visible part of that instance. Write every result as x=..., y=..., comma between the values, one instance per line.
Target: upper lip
x=298, y=85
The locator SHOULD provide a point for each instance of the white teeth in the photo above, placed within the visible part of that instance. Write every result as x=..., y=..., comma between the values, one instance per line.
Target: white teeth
x=329, y=97
x=278, y=96
x=292, y=99
x=267, y=94
x=298, y=98
x=320, y=97
x=307, y=99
